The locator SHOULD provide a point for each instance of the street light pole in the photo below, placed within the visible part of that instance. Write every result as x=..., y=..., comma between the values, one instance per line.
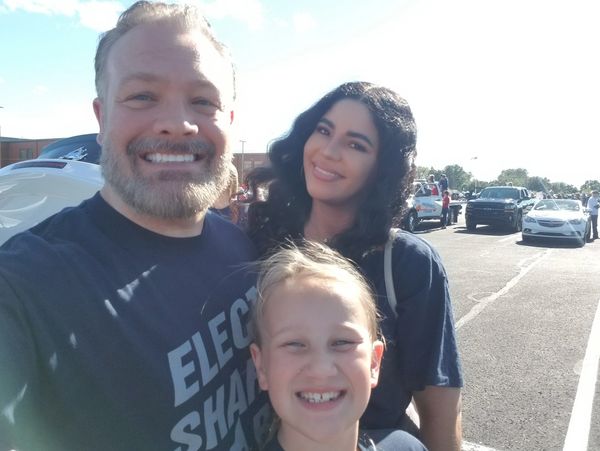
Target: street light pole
x=242, y=171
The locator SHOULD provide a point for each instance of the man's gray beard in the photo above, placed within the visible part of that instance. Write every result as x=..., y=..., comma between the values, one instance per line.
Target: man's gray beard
x=168, y=194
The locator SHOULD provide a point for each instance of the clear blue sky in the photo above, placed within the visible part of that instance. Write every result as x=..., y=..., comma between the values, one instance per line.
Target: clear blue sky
x=515, y=83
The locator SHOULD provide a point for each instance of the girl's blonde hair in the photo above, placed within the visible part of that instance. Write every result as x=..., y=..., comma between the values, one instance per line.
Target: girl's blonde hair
x=314, y=260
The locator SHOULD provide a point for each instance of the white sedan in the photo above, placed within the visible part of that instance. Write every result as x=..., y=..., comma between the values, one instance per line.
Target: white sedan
x=557, y=218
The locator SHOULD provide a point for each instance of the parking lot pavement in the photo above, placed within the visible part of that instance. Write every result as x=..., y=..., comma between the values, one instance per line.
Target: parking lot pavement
x=525, y=318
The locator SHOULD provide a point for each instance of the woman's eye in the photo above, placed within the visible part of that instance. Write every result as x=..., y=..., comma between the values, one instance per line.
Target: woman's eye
x=358, y=146
x=322, y=130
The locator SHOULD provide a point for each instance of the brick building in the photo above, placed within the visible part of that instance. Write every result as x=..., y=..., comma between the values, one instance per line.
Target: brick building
x=13, y=150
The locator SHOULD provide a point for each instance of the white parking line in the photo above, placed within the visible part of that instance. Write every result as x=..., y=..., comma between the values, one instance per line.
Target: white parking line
x=509, y=238
x=581, y=415
x=483, y=303
x=466, y=446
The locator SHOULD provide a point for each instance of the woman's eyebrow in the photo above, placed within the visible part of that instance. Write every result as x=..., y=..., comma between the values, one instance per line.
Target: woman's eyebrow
x=360, y=136
x=351, y=133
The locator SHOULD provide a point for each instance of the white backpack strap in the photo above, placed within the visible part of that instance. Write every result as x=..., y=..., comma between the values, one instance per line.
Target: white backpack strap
x=387, y=270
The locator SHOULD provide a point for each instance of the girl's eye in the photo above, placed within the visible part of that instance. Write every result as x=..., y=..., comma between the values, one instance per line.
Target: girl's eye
x=343, y=344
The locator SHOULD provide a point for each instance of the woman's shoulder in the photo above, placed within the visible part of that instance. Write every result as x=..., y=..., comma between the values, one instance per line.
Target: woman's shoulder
x=412, y=246
x=388, y=439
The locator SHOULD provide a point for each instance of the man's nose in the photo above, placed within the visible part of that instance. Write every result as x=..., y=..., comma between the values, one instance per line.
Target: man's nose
x=175, y=118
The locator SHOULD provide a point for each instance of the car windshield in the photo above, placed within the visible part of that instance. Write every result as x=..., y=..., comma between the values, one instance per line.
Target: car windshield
x=500, y=193
x=557, y=204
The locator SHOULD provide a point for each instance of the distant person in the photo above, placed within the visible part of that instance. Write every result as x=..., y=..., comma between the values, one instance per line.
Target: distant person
x=445, y=209
x=433, y=185
x=593, y=204
x=341, y=177
x=443, y=182
x=315, y=328
x=122, y=320
x=226, y=204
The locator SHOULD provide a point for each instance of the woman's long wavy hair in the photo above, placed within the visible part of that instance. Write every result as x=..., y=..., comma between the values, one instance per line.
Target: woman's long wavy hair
x=287, y=208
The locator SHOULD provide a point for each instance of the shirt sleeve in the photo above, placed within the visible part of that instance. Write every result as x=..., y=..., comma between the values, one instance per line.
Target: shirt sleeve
x=17, y=361
x=425, y=333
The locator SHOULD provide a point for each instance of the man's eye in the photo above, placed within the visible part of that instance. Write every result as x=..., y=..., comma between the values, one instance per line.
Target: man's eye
x=293, y=345
x=142, y=97
x=206, y=104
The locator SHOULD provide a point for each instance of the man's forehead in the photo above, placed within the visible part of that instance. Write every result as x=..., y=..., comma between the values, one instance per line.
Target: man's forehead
x=159, y=50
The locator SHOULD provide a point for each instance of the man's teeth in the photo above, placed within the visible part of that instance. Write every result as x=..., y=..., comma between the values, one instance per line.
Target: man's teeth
x=170, y=158
x=320, y=397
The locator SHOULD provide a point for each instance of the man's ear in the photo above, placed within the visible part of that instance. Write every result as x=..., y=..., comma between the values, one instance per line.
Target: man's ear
x=376, y=356
x=257, y=358
x=99, y=113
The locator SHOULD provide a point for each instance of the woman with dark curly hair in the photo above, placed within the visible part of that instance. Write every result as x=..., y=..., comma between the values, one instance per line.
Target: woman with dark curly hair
x=341, y=176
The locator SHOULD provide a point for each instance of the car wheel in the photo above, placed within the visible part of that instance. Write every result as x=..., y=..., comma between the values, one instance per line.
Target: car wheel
x=518, y=225
x=471, y=225
x=525, y=238
x=411, y=222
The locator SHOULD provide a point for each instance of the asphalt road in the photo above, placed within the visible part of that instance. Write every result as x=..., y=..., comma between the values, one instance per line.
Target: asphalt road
x=524, y=315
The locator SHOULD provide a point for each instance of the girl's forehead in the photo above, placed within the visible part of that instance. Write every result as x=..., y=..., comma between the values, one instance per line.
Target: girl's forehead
x=347, y=293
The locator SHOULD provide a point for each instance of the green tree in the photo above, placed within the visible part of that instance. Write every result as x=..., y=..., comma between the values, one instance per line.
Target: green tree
x=589, y=186
x=457, y=176
x=563, y=188
x=536, y=183
x=518, y=177
x=423, y=172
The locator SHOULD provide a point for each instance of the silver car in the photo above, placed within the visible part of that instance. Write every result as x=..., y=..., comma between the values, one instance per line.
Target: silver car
x=557, y=219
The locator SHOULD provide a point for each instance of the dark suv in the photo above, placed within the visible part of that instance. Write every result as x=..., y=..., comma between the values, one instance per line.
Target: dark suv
x=499, y=206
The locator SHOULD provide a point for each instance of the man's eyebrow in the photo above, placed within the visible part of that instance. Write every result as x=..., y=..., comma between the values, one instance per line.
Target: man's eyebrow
x=143, y=76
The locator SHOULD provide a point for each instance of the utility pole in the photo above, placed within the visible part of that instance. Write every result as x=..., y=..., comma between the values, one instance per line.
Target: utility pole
x=242, y=171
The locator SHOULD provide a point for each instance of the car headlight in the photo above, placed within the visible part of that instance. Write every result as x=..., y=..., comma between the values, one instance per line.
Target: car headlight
x=575, y=221
x=529, y=219
x=509, y=206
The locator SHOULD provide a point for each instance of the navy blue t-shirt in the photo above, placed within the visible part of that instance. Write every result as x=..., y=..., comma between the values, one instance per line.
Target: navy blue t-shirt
x=420, y=338
x=113, y=337
x=383, y=440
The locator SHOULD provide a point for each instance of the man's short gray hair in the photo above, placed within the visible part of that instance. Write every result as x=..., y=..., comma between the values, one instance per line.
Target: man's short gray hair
x=188, y=16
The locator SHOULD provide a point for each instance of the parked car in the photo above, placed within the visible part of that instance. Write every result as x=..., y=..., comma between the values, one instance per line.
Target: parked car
x=422, y=205
x=557, y=219
x=32, y=190
x=502, y=206
x=79, y=148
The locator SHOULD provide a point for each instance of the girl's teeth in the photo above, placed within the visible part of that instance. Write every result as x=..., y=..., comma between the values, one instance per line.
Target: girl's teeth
x=320, y=397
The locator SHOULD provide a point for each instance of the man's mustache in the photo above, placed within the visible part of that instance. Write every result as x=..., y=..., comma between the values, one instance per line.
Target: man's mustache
x=152, y=145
